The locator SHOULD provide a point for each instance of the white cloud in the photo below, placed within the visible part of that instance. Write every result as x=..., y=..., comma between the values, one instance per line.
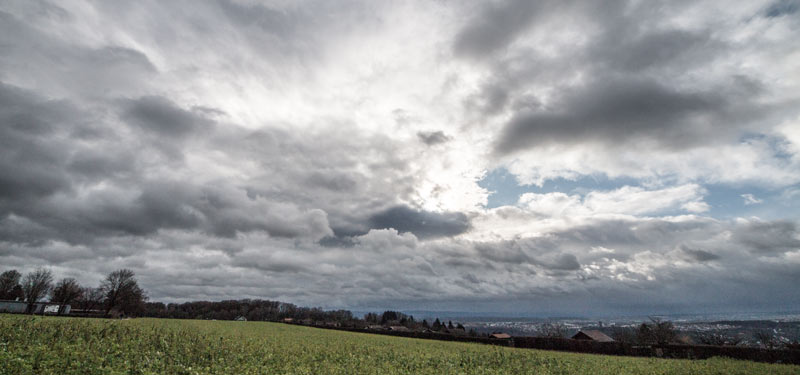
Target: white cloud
x=627, y=200
x=750, y=199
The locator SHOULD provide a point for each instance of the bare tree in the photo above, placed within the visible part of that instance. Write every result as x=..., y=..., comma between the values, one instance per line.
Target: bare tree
x=766, y=338
x=657, y=332
x=553, y=330
x=122, y=292
x=36, y=285
x=90, y=299
x=66, y=292
x=10, y=289
x=625, y=335
x=718, y=339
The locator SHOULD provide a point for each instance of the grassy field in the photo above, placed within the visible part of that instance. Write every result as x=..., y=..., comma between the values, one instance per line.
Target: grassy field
x=36, y=345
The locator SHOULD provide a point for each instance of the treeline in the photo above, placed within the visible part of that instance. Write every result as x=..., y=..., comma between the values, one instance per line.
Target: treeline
x=661, y=332
x=399, y=319
x=250, y=309
x=118, y=294
x=266, y=310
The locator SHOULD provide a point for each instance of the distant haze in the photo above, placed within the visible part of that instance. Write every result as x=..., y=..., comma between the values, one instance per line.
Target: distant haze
x=533, y=158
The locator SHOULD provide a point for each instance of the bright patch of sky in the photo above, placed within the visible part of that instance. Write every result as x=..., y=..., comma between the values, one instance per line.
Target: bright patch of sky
x=724, y=201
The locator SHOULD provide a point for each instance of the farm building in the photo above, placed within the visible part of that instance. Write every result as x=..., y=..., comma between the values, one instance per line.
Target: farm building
x=500, y=336
x=20, y=307
x=13, y=306
x=399, y=328
x=593, y=335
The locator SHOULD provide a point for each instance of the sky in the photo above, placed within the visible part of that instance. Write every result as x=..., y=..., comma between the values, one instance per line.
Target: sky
x=510, y=156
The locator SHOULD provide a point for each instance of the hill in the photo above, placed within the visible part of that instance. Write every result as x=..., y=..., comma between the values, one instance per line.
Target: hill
x=49, y=345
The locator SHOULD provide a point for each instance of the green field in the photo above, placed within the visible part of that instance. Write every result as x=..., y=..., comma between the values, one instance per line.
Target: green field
x=36, y=345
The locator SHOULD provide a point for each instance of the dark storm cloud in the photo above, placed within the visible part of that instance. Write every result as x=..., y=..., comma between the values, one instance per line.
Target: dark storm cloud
x=697, y=254
x=495, y=26
x=627, y=95
x=782, y=8
x=51, y=149
x=331, y=180
x=341, y=241
x=433, y=137
x=770, y=237
x=659, y=49
x=622, y=110
x=220, y=211
x=161, y=116
x=423, y=224
x=269, y=263
x=565, y=262
x=30, y=166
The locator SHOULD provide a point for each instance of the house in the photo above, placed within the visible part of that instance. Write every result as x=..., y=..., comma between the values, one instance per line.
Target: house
x=240, y=319
x=500, y=335
x=288, y=320
x=399, y=328
x=593, y=335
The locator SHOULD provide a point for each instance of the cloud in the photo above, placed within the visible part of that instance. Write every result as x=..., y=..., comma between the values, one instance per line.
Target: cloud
x=630, y=91
x=765, y=237
x=95, y=70
x=625, y=110
x=433, y=137
x=331, y=153
x=160, y=116
x=494, y=26
x=750, y=199
x=74, y=188
x=629, y=200
x=698, y=255
x=566, y=262
x=422, y=223
x=782, y=8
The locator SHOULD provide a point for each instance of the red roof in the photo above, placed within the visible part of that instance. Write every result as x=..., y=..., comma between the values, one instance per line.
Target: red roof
x=592, y=334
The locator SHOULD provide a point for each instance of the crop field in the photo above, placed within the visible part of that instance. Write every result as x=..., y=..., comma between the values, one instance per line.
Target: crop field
x=36, y=345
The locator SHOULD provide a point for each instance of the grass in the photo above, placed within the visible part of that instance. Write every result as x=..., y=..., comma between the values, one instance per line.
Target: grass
x=36, y=345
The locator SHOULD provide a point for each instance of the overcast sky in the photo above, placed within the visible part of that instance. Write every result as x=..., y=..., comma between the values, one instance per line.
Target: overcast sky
x=537, y=157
